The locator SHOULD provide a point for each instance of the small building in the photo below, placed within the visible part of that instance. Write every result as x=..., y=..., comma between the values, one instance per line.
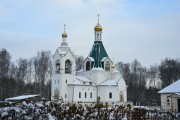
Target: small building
x=170, y=97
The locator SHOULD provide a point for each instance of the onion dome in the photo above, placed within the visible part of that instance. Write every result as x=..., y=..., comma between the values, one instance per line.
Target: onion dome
x=64, y=34
x=98, y=27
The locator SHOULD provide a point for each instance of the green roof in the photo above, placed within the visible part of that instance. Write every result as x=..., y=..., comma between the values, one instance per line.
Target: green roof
x=98, y=52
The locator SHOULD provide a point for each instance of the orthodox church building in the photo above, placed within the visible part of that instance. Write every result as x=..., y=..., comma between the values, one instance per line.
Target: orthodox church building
x=98, y=79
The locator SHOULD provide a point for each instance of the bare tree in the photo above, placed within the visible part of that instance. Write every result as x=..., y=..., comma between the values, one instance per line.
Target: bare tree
x=79, y=62
x=42, y=66
x=4, y=69
x=169, y=71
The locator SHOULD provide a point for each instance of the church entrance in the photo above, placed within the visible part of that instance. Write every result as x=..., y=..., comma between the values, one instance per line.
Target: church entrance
x=121, y=98
x=56, y=94
x=178, y=104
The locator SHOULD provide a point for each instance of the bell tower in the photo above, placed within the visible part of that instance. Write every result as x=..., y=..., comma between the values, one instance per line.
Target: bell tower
x=63, y=70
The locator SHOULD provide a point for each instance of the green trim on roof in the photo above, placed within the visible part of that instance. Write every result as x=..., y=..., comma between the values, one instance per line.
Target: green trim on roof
x=98, y=52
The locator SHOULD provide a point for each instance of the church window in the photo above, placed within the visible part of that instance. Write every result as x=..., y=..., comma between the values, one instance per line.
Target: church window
x=56, y=94
x=107, y=66
x=58, y=66
x=84, y=82
x=65, y=95
x=85, y=95
x=68, y=66
x=90, y=83
x=110, y=95
x=58, y=80
x=91, y=95
x=79, y=94
x=66, y=80
x=88, y=66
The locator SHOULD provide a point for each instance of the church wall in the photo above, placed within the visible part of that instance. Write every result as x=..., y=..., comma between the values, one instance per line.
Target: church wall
x=103, y=92
x=85, y=89
x=122, y=89
x=96, y=76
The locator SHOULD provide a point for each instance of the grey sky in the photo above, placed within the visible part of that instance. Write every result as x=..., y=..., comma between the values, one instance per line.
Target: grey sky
x=146, y=30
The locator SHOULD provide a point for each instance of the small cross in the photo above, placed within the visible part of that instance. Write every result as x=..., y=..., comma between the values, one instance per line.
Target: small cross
x=98, y=18
x=64, y=27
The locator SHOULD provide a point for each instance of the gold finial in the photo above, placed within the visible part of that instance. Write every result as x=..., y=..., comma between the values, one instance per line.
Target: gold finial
x=64, y=34
x=98, y=27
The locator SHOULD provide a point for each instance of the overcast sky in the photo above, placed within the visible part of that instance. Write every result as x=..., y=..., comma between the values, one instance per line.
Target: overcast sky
x=147, y=30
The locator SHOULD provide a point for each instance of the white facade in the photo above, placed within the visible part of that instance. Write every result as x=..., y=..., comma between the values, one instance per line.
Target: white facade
x=98, y=78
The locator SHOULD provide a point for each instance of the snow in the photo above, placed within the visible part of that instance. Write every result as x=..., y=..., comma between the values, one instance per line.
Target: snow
x=82, y=112
x=104, y=58
x=91, y=59
x=172, y=88
x=80, y=79
x=50, y=117
x=76, y=82
x=21, y=97
x=83, y=78
x=81, y=70
x=110, y=82
x=98, y=69
x=63, y=50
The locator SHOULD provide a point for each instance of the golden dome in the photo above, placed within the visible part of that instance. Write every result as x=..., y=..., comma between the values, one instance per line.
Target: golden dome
x=64, y=34
x=98, y=27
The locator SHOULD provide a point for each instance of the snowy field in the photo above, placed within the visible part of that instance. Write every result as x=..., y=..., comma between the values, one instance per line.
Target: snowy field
x=48, y=110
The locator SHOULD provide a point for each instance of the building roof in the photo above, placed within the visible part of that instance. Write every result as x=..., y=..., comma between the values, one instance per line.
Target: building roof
x=109, y=83
x=63, y=50
x=82, y=80
x=172, y=88
x=21, y=97
x=98, y=52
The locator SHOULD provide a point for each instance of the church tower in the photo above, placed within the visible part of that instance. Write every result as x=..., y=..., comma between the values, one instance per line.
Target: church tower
x=63, y=70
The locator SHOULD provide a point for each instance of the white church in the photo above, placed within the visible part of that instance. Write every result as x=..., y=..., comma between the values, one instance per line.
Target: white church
x=98, y=79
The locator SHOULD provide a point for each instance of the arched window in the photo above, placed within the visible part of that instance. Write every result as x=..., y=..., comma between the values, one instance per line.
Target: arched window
x=56, y=94
x=97, y=36
x=91, y=95
x=58, y=66
x=107, y=66
x=88, y=65
x=67, y=66
x=79, y=94
x=110, y=95
x=85, y=95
